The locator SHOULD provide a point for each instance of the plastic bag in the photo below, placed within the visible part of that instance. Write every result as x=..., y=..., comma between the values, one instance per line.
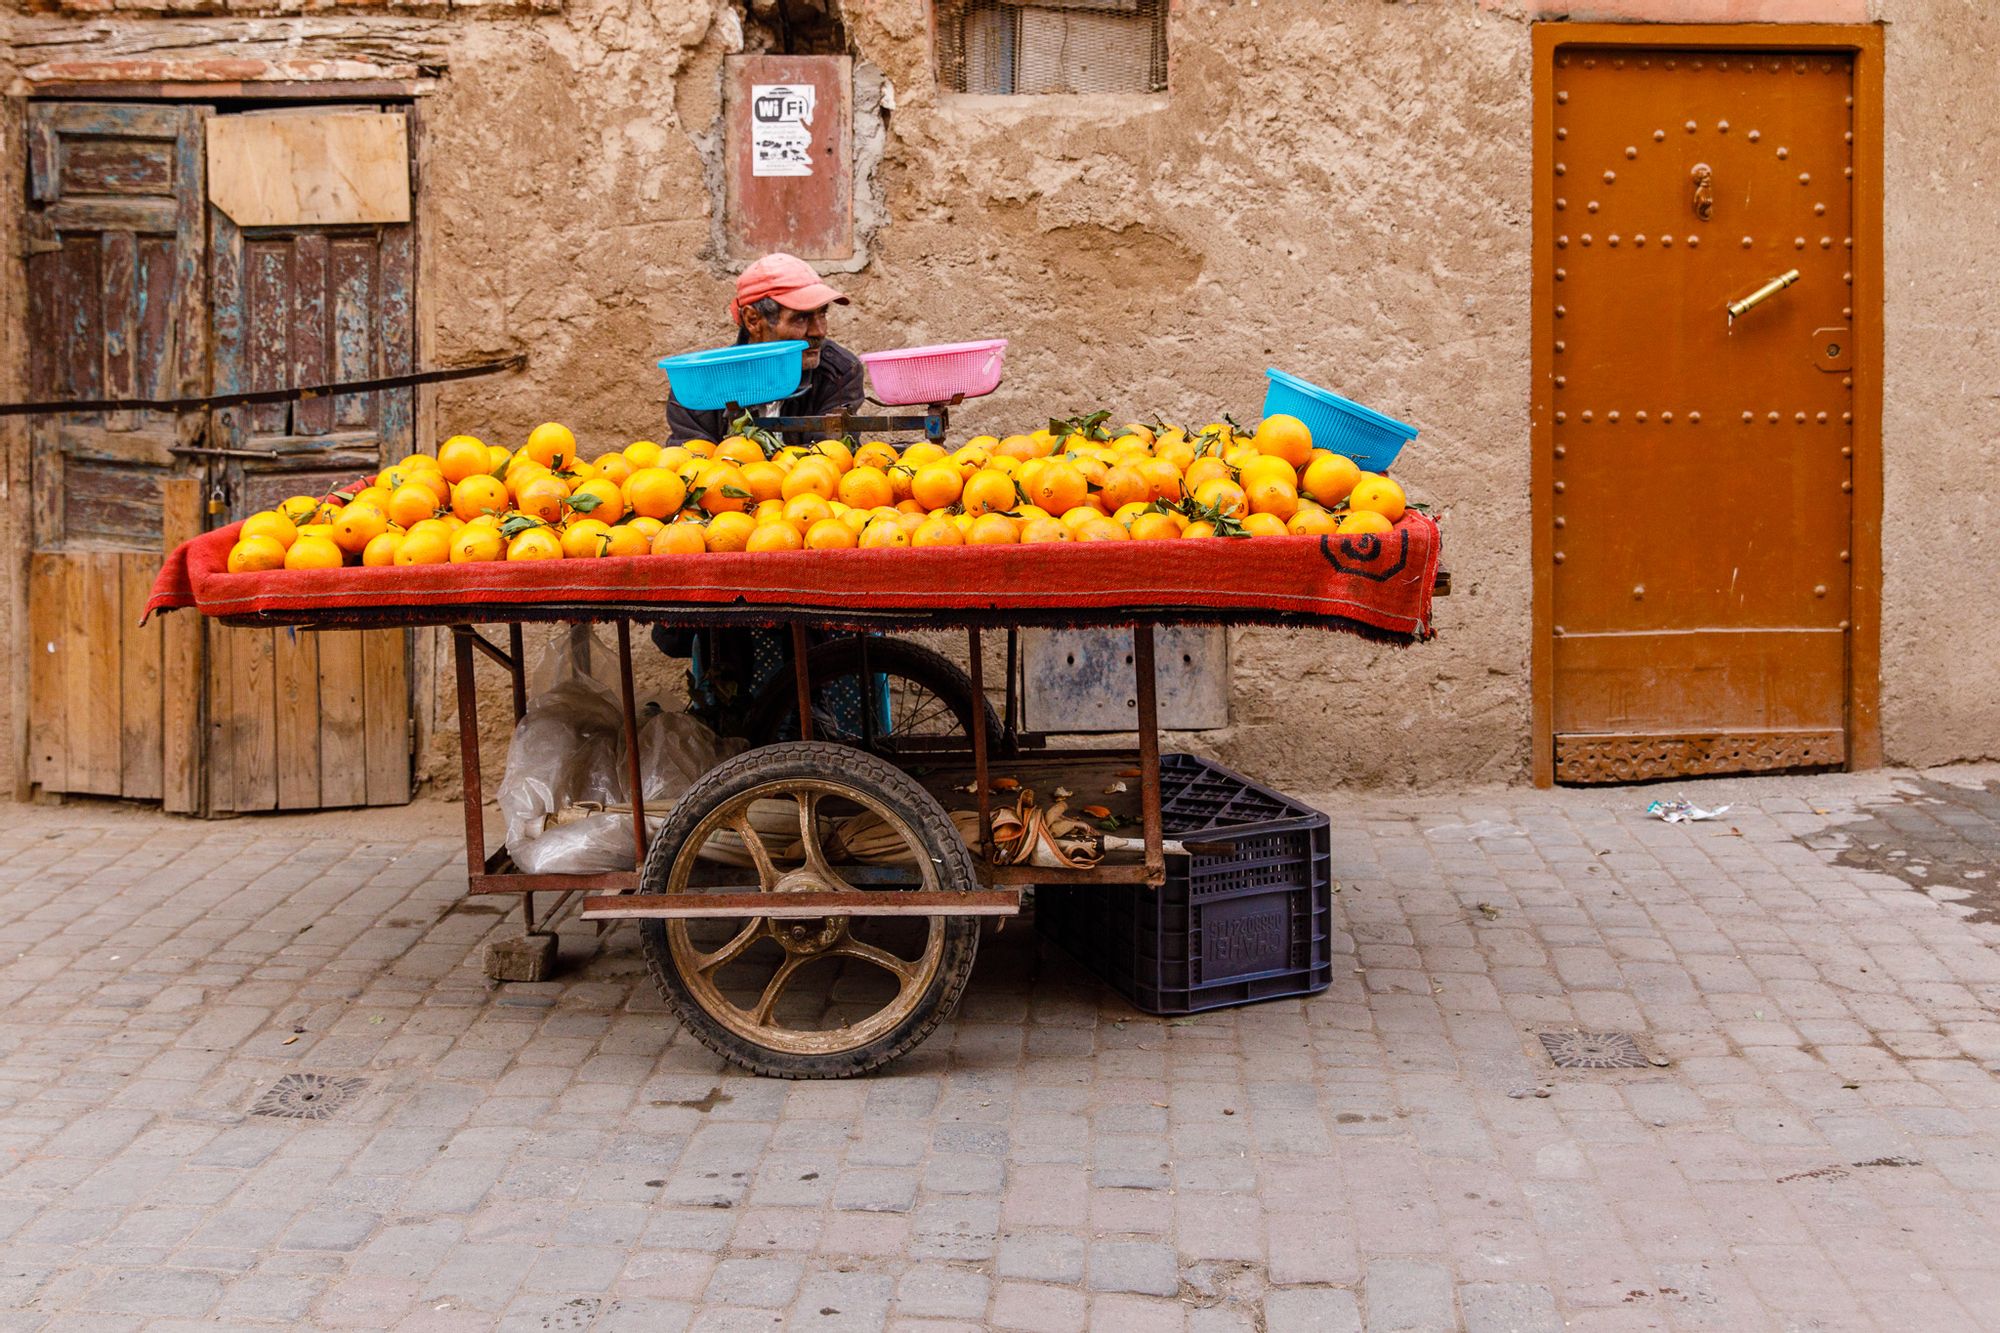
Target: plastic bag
x=568, y=761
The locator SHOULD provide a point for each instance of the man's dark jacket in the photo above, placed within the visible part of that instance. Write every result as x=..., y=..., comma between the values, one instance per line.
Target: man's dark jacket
x=834, y=385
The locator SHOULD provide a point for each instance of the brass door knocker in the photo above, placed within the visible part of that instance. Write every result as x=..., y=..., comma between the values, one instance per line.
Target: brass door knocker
x=1704, y=197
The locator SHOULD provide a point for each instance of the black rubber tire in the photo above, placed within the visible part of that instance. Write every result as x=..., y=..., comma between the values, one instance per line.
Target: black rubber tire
x=895, y=789
x=778, y=702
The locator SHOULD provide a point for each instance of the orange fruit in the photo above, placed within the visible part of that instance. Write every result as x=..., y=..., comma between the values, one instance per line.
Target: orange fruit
x=970, y=459
x=437, y=525
x=313, y=553
x=1222, y=494
x=836, y=453
x=806, y=510
x=1123, y=485
x=586, y=539
x=424, y=546
x=739, y=450
x=411, y=504
x=866, y=487
x=654, y=492
x=1380, y=495
x=372, y=495
x=642, y=453
x=614, y=468
x=496, y=457
x=551, y=445
x=1285, y=437
x=461, y=456
x=1102, y=530
x=988, y=491
x=380, y=552
x=698, y=448
x=679, y=539
x=358, y=525
x=598, y=499
x=1080, y=515
x=812, y=476
x=478, y=494
x=765, y=479
x=477, y=542
x=1363, y=521
x=1201, y=529
x=1262, y=467
x=299, y=509
x=854, y=519
x=535, y=544
x=1204, y=470
x=829, y=534
x=648, y=528
x=1311, y=521
x=876, y=454
x=992, y=530
x=1022, y=447
x=1264, y=525
x=1329, y=478
x=272, y=524
x=1271, y=496
x=1059, y=487
x=1163, y=479
x=627, y=540
x=779, y=536
x=543, y=498
x=937, y=485
x=1037, y=530
x=254, y=554
x=937, y=530
x=1154, y=527
x=724, y=489
x=1126, y=514
x=730, y=531
x=884, y=534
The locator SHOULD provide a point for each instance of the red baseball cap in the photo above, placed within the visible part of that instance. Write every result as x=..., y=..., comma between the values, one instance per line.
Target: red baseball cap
x=786, y=279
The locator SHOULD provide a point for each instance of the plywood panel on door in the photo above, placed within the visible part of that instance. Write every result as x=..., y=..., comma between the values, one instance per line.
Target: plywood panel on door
x=1700, y=515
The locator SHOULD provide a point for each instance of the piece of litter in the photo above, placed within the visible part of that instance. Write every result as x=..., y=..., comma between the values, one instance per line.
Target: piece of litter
x=1064, y=793
x=289, y=1040
x=1679, y=810
x=1489, y=911
x=1181, y=1022
x=1115, y=788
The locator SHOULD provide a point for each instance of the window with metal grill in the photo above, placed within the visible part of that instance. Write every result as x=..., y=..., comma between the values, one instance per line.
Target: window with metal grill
x=1052, y=46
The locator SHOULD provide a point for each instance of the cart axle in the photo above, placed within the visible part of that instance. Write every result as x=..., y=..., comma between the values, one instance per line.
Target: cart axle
x=791, y=906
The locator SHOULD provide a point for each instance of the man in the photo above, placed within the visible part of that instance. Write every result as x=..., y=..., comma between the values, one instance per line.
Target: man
x=780, y=298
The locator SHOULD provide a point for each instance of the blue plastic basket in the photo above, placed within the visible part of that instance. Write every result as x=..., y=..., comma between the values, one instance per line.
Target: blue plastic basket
x=1363, y=434
x=748, y=374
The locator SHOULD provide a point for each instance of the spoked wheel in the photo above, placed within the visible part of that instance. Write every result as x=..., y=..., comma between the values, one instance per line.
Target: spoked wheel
x=827, y=997
x=888, y=696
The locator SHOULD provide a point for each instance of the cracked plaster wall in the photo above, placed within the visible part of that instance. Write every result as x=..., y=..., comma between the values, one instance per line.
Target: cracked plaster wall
x=1365, y=219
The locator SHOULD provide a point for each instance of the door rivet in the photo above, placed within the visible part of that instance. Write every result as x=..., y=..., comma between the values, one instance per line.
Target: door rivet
x=1748, y=417
x=1774, y=418
x=1799, y=243
x=1640, y=239
x=1844, y=624
x=1747, y=242
x=1694, y=242
x=1846, y=451
x=1631, y=153
x=1800, y=418
x=1659, y=136
x=1611, y=417
x=1819, y=590
x=1591, y=207
x=1784, y=153
x=1560, y=557
x=1755, y=136
x=1610, y=178
x=1562, y=451
x=1722, y=125
x=1639, y=591
x=1561, y=310
x=1562, y=97
x=1694, y=418
x=1640, y=417
x=1561, y=346
x=1612, y=240
x=1847, y=381
x=1666, y=242
x=1667, y=418
x=1822, y=418
x=1562, y=242
x=1692, y=127
x=1819, y=210
x=1561, y=170
x=1562, y=134
x=1562, y=523
x=1562, y=274
x=1844, y=557
x=1561, y=417
x=1826, y=242
x=1585, y=238
x=1559, y=488
x=1847, y=486
x=1562, y=382
x=1846, y=418
x=1847, y=278
x=1561, y=204
x=1589, y=416
x=1805, y=178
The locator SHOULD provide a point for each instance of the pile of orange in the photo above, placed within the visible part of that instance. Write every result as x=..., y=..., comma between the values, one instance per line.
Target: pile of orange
x=1082, y=482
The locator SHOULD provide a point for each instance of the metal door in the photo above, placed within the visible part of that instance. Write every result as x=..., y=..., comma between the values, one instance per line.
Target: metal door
x=1703, y=410
x=114, y=250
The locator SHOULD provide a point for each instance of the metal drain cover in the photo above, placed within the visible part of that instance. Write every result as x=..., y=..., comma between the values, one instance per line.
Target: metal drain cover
x=307, y=1096
x=1594, y=1050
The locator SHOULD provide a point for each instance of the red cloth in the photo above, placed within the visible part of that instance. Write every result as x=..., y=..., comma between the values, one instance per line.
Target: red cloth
x=1380, y=584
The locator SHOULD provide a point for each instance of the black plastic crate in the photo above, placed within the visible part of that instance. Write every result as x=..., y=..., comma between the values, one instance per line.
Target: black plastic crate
x=1252, y=923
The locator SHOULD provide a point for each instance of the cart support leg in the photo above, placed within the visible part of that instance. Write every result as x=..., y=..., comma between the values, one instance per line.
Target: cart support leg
x=468, y=746
x=981, y=778
x=803, y=673
x=632, y=745
x=1149, y=753
x=519, y=668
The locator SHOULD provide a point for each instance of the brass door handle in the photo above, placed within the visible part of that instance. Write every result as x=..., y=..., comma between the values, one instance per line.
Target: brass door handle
x=1762, y=294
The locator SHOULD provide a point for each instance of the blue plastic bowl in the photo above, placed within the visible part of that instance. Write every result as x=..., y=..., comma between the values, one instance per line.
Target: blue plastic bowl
x=1363, y=434
x=749, y=375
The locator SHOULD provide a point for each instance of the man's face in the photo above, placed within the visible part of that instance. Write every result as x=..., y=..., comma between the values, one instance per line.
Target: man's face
x=807, y=326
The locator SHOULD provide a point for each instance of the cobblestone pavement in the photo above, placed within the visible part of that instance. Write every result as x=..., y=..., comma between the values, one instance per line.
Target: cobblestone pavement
x=1817, y=1147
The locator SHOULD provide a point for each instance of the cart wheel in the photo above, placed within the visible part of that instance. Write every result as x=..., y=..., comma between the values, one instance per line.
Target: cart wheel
x=929, y=699
x=829, y=997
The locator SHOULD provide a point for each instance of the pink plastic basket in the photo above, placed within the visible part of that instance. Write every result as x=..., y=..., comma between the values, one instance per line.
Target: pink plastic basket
x=935, y=374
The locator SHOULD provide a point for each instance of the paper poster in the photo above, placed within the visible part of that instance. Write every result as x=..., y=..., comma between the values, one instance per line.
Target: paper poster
x=781, y=117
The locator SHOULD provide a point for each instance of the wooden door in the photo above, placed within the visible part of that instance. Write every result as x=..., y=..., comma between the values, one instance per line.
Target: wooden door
x=1700, y=512
x=115, y=282
x=301, y=721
